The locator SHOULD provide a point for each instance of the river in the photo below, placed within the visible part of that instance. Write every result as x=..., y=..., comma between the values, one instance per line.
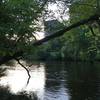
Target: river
x=53, y=81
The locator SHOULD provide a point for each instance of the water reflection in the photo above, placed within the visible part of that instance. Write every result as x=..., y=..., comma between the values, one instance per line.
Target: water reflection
x=55, y=81
x=16, y=79
x=83, y=81
x=73, y=81
x=5, y=94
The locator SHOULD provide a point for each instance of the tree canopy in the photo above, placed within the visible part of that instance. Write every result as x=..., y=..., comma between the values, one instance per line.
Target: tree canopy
x=19, y=22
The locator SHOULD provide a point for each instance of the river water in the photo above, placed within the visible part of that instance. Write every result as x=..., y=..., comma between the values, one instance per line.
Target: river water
x=54, y=81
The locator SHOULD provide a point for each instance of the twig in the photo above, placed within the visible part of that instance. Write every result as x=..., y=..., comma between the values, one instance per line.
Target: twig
x=92, y=31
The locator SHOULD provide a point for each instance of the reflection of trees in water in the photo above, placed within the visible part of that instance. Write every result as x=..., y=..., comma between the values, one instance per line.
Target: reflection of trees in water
x=5, y=94
x=83, y=81
x=80, y=80
x=2, y=71
x=55, y=83
x=54, y=75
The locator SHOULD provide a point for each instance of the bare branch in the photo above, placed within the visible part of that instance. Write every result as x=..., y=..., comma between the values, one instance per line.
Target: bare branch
x=29, y=76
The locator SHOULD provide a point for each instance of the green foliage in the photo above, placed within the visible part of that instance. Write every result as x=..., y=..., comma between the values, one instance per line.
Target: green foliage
x=18, y=22
x=81, y=9
x=81, y=43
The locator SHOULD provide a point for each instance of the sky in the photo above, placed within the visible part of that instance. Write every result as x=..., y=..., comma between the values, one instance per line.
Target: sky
x=57, y=11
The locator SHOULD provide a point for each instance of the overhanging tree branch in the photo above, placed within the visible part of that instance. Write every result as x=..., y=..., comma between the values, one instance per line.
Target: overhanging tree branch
x=7, y=58
x=47, y=38
x=61, y=32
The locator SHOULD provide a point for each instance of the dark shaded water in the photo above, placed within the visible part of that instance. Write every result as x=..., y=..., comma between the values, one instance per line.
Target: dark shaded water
x=52, y=81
